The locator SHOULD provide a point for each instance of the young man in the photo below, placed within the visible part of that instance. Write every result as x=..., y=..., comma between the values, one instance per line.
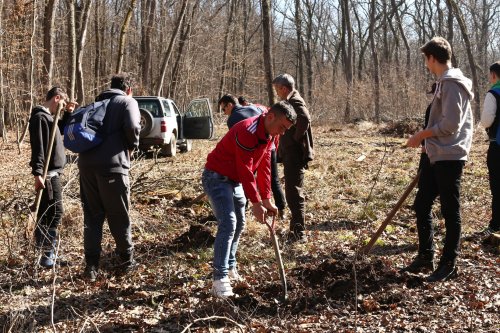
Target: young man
x=447, y=138
x=104, y=180
x=229, y=177
x=236, y=112
x=296, y=150
x=244, y=110
x=51, y=206
x=490, y=121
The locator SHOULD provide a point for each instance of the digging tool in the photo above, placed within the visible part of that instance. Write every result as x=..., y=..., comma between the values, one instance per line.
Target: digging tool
x=278, y=256
x=38, y=198
x=366, y=249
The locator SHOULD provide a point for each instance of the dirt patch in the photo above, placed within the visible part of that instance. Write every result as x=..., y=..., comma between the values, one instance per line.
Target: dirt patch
x=198, y=236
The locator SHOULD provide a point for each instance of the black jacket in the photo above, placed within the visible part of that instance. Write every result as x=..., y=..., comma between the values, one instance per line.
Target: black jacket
x=121, y=127
x=40, y=125
x=242, y=112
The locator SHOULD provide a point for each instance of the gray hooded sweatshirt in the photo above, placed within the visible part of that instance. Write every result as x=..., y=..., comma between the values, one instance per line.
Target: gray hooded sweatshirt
x=450, y=118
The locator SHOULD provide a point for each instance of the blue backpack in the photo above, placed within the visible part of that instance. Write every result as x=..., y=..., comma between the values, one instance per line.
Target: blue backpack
x=83, y=131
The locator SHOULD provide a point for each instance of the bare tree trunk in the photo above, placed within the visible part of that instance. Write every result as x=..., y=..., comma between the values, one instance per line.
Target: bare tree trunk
x=184, y=39
x=376, y=70
x=147, y=30
x=309, y=49
x=300, y=56
x=347, y=56
x=225, y=47
x=3, y=131
x=97, y=33
x=451, y=35
x=48, y=40
x=123, y=34
x=403, y=37
x=267, y=52
x=71, y=50
x=84, y=19
x=170, y=46
x=32, y=75
x=472, y=63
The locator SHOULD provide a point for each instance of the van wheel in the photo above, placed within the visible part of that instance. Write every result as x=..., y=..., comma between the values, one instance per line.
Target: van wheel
x=187, y=146
x=170, y=149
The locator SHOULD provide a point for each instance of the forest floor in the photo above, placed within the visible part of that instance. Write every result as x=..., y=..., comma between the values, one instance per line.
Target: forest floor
x=356, y=178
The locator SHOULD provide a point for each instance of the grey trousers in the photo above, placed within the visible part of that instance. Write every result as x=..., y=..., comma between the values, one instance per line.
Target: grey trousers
x=105, y=196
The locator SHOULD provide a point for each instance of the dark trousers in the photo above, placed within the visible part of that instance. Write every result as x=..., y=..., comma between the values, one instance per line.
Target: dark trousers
x=51, y=209
x=439, y=179
x=493, y=162
x=294, y=168
x=279, y=196
x=105, y=196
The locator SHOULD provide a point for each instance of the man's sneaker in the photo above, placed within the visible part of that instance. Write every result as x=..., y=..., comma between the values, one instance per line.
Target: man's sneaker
x=445, y=271
x=222, y=288
x=234, y=275
x=420, y=262
x=90, y=273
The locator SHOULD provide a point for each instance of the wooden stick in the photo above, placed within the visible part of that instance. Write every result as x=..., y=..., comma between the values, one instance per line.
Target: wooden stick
x=38, y=198
x=366, y=249
x=277, y=253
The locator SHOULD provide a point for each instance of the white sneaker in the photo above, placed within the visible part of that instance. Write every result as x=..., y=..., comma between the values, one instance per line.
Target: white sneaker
x=222, y=288
x=234, y=275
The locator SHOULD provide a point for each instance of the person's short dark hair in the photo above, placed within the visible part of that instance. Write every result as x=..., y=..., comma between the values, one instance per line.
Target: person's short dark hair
x=284, y=108
x=54, y=91
x=228, y=99
x=122, y=81
x=285, y=80
x=495, y=68
x=242, y=100
x=439, y=48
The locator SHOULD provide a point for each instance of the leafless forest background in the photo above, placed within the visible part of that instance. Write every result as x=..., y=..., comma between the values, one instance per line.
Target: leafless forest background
x=352, y=59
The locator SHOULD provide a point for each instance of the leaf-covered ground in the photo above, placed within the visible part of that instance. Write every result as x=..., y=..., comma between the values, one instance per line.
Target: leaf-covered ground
x=357, y=177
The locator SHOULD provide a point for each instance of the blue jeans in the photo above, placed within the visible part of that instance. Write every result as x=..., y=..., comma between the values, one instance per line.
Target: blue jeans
x=228, y=203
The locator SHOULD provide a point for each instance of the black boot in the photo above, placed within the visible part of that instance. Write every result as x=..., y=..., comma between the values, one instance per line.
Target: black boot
x=92, y=266
x=446, y=270
x=420, y=262
x=48, y=259
x=126, y=261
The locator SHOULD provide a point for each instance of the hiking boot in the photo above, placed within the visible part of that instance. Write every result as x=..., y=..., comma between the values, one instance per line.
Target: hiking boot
x=297, y=237
x=222, y=288
x=281, y=214
x=420, y=262
x=90, y=273
x=234, y=275
x=126, y=262
x=445, y=271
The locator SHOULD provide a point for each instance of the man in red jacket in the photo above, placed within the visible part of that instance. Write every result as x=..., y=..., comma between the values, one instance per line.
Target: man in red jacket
x=229, y=177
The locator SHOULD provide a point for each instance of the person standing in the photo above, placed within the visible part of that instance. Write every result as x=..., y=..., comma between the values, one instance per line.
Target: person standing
x=490, y=121
x=50, y=211
x=104, y=177
x=448, y=139
x=296, y=151
x=228, y=179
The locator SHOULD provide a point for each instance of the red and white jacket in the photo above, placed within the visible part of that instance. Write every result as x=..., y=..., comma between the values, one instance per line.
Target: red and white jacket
x=246, y=148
